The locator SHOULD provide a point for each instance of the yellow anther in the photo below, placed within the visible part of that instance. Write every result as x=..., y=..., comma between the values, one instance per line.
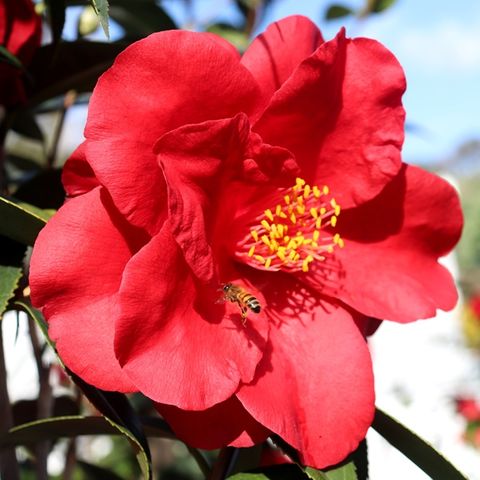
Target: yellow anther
x=330, y=249
x=316, y=235
x=287, y=199
x=296, y=257
x=286, y=238
x=259, y=258
x=254, y=235
x=300, y=182
x=293, y=218
x=266, y=241
x=318, y=222
x=306, y=191
x=251, y=251
x=336, y=238
x=333, y=220
x=316, y=192
x=301, y=209
x=280, y=230
x=268, y=262
x=282, y=215
x=305, y=262
x=265, y=225
x=341, y=243
x=292, y=254
x=274, y=231
x=281, y=253
x=325, y=190
x=333, y=203
x=278, y=210
x=274, y=245
x=323, y=210
x=269, y=214
x=292, y=245
x=300, y=200
x=307, y=241
x=337, y=210
x=314, y=212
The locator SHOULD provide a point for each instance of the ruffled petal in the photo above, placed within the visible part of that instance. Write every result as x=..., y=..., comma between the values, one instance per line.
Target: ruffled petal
x=226, y=423
x=213, y=169
x=314, y=386
x=179, y=78
x=180, y=347
x=392, y=245
x=75, y=273
x=340, y=114
x=77, y=175
x=277, y=52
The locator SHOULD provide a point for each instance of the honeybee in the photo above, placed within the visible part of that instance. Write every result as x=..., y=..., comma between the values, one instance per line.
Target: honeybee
x=236, y=294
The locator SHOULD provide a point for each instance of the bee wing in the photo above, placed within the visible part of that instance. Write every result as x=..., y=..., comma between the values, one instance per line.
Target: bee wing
x=221, y=299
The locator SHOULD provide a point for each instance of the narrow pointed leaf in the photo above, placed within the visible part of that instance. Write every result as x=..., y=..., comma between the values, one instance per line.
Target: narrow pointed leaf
x=343, y=472
x=114, y=407
x=21, y=222
x=68, y=426
x=7, y=56
x=337, y=11
x=101, y=7
x=9, y=277
x=413, y=447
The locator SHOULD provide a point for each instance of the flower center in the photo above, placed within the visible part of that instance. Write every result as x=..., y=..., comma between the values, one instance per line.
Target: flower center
x=296, y=232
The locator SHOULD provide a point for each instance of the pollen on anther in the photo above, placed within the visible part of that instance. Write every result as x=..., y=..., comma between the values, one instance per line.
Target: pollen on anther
x=306, y=191
x=269, y=214
x=316, y=191
x=251, y=251
x=333, y=220
x=325, y=190
x=254, y=235
x=287, y=199
x=268, y=262
x=314, y=212
x=265, y=225
x=259, y=258
x=278, y=210
x=293, y=218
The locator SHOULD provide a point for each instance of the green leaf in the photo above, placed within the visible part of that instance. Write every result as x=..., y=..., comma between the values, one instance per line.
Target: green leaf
x=114, y=407
x=148, y=18
x=277, y=472
x=56, y=15
x=343, y=472
x=9, y=277
x=377, y=6
x=238, y=38
x=25, y=123
x=101, y=7
x=417, y=450
x=20, y=221
x=337, y=11
x=71, y=66
x=68, y=426
x=9, y=57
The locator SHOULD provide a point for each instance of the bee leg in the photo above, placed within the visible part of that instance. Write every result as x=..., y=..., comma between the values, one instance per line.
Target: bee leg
x=244, y=314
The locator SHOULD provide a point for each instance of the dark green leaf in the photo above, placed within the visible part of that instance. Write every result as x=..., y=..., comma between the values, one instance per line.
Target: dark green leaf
x=277, y=472
x=9, y=277
x=417, y=450
x=7, y=56
x=20, y=221
x=337, y=11
x=101, y=7
x=67, y=426
x=343, y=472
x=377, y=6
x=25, y=123
x=148, y=18
x=72, y=66
x=56, y=16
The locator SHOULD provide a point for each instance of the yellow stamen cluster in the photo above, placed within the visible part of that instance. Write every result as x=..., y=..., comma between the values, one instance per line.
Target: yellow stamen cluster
x=293, y=234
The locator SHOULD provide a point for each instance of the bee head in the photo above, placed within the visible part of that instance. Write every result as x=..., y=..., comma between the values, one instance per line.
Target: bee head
x=227, y=287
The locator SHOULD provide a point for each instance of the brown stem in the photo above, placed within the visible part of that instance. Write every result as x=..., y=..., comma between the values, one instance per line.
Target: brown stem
x=45, y=400
x=8, y=460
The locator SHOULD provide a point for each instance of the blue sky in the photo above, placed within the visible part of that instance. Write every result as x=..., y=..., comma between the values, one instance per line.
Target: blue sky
x=438, y=45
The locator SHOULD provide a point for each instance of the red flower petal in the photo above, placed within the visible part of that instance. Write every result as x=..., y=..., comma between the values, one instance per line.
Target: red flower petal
x=226, y=423
x=314, y=386
x=82, y=253
x=77, y=175
x=340, y=114
x=277, y=52
x=179, y=78
x=392, y=245
x=180, y=337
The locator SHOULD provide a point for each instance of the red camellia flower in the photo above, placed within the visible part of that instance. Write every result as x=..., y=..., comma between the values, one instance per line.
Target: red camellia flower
x=275, y=176
x=20, y=34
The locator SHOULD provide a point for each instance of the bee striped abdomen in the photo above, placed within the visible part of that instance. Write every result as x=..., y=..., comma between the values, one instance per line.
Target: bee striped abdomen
x=251, y=302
